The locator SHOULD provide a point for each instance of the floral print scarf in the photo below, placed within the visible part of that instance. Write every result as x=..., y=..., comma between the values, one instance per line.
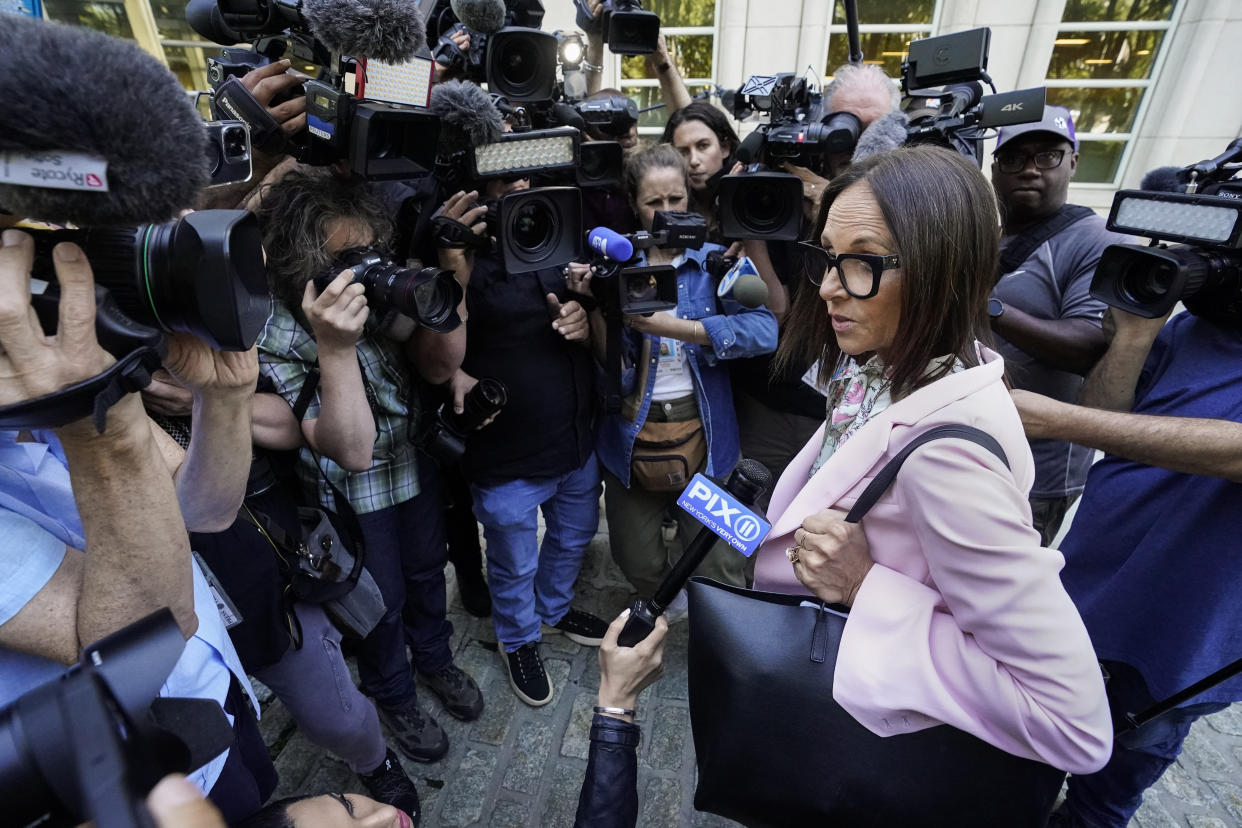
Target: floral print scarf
x=857, y=392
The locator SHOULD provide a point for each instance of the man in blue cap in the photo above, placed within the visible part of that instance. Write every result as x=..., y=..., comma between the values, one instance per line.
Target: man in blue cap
x=1047, y=325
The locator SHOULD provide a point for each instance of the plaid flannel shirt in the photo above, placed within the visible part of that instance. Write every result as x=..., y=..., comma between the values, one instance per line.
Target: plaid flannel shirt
x=287, y=353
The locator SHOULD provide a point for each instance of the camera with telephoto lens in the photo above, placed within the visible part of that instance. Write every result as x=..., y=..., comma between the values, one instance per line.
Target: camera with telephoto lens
x=385, y=135
x=202, y=274
x=624, y=26
x=957, y=63
x=90, y=744
x=1204, y=269
x=427, y=295
x=444, y=438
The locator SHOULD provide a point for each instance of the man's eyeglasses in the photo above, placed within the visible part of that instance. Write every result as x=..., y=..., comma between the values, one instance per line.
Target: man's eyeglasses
x=1010, y=163
x=859, y=272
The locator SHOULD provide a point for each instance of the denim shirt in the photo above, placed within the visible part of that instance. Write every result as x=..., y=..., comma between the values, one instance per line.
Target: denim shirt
x=735, y=331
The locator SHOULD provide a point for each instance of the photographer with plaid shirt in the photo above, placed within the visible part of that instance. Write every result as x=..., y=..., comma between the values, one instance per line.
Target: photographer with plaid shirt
x=357, y=428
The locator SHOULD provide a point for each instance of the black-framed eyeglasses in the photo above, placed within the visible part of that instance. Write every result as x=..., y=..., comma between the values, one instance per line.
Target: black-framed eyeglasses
x=859, y=272
x=1015, y=162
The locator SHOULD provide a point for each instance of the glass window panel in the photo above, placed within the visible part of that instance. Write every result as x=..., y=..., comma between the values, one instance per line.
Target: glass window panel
x=1104, y=55
x=885, y=50
x=1100, y=110
x=171, y=23
x=683, y=12
x=189, y=64
x=106, y=17
x=1107, y=11
x=646, y=96
x=691, y=54
x=888, y=11
x=1098, y=161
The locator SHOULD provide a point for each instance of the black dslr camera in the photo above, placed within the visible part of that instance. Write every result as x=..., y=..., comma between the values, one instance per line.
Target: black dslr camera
x=444, y=438
x=92, y=743
x=428, y=295
x=1204, y=271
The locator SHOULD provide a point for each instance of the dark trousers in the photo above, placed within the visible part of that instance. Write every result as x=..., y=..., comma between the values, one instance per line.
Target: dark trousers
x=1047, y=514
x=405, y=553
x=248, y=776
x=1109, y=797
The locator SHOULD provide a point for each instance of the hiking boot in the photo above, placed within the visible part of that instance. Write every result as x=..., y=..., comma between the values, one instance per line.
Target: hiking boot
x=418, y=736
x=527, y=676
x=582, y=627
x=457, y=690
x=389, y=784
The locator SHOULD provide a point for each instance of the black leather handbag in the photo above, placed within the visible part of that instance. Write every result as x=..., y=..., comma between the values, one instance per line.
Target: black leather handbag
x=774, y=749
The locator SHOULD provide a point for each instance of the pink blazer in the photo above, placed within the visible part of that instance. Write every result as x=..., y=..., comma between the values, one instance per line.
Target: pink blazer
x=963, y=620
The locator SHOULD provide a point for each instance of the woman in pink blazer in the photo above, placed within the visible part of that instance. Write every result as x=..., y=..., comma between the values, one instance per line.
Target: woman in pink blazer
x=957, y=612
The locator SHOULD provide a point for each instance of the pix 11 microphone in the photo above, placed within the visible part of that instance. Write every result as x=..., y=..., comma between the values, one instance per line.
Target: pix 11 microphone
x=749, y=480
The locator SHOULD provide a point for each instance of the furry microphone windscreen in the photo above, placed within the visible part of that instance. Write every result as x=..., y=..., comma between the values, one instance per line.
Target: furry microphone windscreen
x=884, y=133
x=388, y=30
x=1164, y=180
x=481, y=15
x=74, y=90
x=468, y=118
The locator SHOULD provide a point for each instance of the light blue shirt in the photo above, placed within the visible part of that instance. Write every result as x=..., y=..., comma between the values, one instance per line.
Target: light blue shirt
x=38, y=520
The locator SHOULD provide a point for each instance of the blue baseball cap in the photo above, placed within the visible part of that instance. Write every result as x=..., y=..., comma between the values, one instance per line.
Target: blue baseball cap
x=1057, y=120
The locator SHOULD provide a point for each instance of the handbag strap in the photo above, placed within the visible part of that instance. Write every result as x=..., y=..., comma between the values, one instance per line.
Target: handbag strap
x=876, y=489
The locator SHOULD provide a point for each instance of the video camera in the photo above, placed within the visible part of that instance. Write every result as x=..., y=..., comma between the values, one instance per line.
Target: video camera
x=622, y=288
x=507, y=50
x=1204, y=271
x=367, y=89
x=92, y=743
x=956, y=63
x=624, y=26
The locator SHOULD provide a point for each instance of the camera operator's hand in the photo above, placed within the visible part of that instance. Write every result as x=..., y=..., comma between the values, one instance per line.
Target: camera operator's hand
x=813, y=187
x=337, y=315
x=175, y=803
x=459, y=386
x=166, y=395
x=1130, y=329
x=204, y=370
x=32, y=363
x=462, y=207
x=267, y=82
x=578, y=277
x=624, y=672
x=568, y=319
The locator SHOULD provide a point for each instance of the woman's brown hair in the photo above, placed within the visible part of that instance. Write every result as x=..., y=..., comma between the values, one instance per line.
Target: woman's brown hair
x=941, y=213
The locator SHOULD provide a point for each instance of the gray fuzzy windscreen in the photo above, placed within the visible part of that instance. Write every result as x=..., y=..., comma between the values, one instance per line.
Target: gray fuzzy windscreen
x=884, y=133
x=72, y=89
x=389, y=30
x=467, y=115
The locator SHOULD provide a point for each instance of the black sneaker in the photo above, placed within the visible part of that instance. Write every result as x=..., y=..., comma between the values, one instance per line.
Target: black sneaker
x=582, y=627
x=457, y=690
x=419, y=736
x=389, y=784
x=527, y=676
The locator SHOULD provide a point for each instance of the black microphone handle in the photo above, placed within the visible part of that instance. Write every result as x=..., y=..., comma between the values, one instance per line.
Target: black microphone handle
x=643, y=612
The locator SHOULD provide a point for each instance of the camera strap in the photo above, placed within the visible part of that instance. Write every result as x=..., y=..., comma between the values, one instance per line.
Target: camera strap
x=89, y=398
x=1020, y=248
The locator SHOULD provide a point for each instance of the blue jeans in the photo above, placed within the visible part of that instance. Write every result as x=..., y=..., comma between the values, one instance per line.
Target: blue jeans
x=1110, y=796
x=532, y=585
x=406, y=552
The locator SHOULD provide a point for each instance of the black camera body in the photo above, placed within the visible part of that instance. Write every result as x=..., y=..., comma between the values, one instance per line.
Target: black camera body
x=612, y=117
x=798, y=130
x=1204, y=269
x=444, y=438
x=958, y=62
x=641, y=290
x=228, y=152
x=626, y=27
x=428, y=295
x=761, y=204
